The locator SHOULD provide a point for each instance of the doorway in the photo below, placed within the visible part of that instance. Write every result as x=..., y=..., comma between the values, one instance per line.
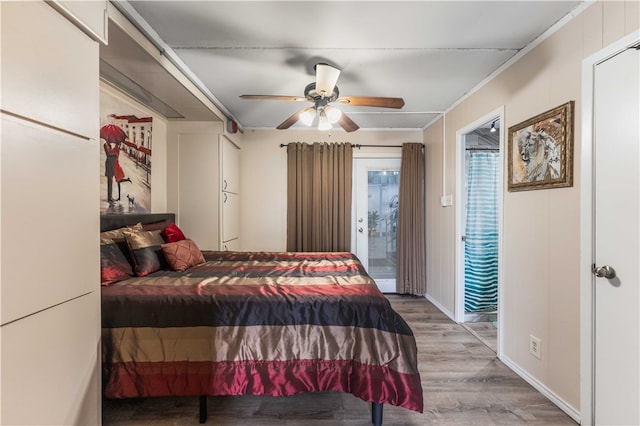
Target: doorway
x=376, y=183
x=478, y=225
x=609, y=222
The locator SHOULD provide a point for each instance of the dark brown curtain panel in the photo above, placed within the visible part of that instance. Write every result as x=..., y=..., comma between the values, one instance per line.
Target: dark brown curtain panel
x=410, y=270
x=319, y=196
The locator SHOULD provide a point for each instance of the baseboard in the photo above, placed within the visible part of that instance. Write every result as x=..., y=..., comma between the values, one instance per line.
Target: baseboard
x=563, y=405
x=439, y=306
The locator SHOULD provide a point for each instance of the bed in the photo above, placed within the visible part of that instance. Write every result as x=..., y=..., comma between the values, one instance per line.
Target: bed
x=253, y=323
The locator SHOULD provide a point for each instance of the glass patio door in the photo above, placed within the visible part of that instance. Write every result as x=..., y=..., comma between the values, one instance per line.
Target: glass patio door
x=376, y=184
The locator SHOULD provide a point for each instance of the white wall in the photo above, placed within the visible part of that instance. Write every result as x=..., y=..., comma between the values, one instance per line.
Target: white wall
x=263, y=224
x=541, y=228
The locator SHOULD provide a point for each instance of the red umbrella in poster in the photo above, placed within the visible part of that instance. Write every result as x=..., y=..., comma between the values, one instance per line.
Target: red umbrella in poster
x=114, y=136
x=113, y=133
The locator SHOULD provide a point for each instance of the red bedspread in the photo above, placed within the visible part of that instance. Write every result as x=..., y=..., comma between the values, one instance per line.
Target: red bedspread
x=260, y=324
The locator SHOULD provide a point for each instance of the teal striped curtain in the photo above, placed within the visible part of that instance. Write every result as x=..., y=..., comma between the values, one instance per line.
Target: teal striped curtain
x=481, y=243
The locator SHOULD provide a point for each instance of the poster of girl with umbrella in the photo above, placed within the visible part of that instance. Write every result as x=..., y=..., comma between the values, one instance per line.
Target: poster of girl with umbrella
x=125, y=186
x=114, y=137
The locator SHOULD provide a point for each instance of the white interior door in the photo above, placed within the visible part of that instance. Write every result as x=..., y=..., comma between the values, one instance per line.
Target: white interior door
x=617, y=240
x=376, y=207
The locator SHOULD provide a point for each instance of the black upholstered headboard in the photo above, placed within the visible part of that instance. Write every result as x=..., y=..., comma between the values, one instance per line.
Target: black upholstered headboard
x=115, y=221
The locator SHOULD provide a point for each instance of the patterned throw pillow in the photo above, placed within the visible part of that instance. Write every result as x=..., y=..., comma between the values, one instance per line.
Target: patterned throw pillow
x=117, y=235
x=114, y=265
x=146, y=251
x=172, y=233
x=182, y=254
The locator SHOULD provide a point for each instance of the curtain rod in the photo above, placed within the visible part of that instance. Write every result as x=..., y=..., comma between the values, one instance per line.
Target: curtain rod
x=282, y=145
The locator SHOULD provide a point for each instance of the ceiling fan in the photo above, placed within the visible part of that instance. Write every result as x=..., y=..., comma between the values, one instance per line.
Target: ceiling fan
x=322, y=93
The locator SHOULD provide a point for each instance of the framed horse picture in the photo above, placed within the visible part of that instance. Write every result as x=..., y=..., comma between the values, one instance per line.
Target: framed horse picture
x=540, y=151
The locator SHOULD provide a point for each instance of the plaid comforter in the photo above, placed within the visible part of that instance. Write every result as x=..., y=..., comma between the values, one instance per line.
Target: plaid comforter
x=261, y=324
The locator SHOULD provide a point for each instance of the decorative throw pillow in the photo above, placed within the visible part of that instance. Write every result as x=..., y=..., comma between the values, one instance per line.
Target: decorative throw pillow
x=114, y=265
x=172, y=233
x=117, y=235
x=146, y=251
x=182, y=254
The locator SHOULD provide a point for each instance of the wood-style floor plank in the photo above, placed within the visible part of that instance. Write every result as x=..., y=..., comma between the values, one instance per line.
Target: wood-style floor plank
x=485, y=331
x=464, y=383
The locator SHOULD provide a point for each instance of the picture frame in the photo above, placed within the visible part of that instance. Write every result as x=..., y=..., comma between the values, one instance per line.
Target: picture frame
x=540, y=150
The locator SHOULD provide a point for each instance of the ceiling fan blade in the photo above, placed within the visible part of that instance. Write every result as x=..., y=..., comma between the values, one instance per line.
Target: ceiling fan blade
x=326, y=79
x=274, y=98
x=372, y=101
x=347, y=124
x=290, y=121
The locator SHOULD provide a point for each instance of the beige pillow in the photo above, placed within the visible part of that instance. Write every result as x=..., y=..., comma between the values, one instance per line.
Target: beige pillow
x=117, y=235
x=146, y=251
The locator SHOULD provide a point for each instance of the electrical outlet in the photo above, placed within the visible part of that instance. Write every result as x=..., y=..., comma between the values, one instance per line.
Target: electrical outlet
x=535, y=346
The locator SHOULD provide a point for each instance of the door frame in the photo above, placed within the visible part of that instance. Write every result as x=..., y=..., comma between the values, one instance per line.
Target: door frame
x=460, y=165
x=396, y=155
x=587, y=308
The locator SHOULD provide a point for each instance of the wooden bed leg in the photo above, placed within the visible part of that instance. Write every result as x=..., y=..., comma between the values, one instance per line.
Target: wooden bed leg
x=203, y=409
x=376, y=414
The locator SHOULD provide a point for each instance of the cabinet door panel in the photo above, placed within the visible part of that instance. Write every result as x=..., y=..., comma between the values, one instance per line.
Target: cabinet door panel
x=90, y=14
x=198, y=189
x=231, y=215
x=51, y=365
x=50, y=241
x=49, y=68
x=230, y=166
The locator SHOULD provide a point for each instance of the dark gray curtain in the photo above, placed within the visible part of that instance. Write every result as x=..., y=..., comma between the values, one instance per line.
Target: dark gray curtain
x=410, y=270
x=319, y=196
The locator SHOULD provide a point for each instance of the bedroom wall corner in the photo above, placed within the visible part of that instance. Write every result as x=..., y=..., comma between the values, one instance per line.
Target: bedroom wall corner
x=440, y=223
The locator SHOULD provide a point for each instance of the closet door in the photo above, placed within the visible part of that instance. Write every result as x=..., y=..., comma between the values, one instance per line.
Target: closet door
x=617, y=239
x=199, y=207
x=49, y=228
x=230, y=195
x=230, y=166
x=231, y=217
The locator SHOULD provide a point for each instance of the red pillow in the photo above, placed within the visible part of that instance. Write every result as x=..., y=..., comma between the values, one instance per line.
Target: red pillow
x=183, y=254
x=172, y=233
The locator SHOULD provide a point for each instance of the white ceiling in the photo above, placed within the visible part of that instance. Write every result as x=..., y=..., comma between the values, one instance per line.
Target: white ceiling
x=431, y=53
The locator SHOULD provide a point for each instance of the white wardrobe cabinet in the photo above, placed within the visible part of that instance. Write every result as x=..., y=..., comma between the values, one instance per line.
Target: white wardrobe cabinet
x=209, y=183
x=49, y=227
x=198, y=187
x=230, y=195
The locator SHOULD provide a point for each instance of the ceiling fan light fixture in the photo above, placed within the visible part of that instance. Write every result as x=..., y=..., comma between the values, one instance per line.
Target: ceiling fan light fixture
x=307, y=116
x=323, y=121
x=333, y=114
x=326, y=79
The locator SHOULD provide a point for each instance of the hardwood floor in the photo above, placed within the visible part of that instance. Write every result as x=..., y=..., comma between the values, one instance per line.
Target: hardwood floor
x=486, y=332
x=463, y=382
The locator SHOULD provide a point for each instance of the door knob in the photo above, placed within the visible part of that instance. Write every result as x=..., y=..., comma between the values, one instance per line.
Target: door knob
x=604, y=272
x=360, y=230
